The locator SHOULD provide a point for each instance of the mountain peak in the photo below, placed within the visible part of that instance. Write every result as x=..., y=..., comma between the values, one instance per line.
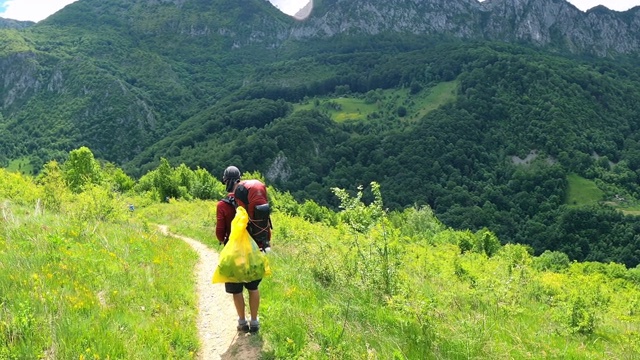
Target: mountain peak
x=14, y=24
x=547, y=23
x=553, y=24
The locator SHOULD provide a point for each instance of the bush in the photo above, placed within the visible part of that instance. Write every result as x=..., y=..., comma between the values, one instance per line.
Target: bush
x=284, y=202
x=417, y=222
x=313, y=212
x=98, y=203
x=486, y=242
x=555, y=261
x=516, y=255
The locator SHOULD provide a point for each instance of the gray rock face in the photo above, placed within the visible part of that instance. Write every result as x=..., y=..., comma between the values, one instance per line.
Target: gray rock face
x=546, y=23
x=458, y=17
x=14, y=24
x=19, y=78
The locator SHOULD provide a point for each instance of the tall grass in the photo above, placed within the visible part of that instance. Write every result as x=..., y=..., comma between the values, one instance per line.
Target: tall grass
x=94, y=280
x=444, y=305
x=329, y=295
x=94, y=290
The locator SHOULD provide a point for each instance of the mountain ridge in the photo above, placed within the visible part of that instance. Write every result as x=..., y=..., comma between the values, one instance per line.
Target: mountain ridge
x=544, y=23
x=205, y=50
x=551, y=24
x=14, y=24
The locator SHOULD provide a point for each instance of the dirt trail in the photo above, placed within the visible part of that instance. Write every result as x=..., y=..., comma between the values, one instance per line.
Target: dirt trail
x=216, y=313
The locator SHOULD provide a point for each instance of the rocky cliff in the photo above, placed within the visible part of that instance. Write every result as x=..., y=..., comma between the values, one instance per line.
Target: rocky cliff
x=553, y=24
x=14, y=24
x=547, y=23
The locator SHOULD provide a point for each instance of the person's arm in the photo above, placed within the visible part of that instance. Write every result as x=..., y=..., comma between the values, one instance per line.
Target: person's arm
x=221, y=223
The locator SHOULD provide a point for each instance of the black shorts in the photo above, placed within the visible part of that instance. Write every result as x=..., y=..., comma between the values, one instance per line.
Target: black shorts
x=236, y=288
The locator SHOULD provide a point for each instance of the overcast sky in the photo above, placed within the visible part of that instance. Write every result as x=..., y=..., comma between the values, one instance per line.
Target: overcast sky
x=36, y=10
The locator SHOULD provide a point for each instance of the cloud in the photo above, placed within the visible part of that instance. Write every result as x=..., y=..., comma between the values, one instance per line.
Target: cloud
x=618, y=5
x=289, y=7
x=36, y=10
x=32, y=10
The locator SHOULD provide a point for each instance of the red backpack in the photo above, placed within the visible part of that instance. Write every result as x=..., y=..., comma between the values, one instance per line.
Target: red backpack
x=252, y=195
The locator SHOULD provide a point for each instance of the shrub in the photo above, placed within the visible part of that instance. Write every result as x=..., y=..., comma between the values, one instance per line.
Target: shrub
x=97, y=203
x=81, y=169
x=417, y=222
x=355, y=214
x=516, y=255
x=486, y=242
x=551, y=261
x=284, y=202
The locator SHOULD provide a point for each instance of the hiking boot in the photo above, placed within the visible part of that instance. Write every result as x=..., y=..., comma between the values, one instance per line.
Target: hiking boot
x=243, y=326
x=254, y=326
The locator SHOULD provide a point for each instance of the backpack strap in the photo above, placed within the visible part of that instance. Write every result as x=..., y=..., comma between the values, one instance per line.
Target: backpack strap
x=231, y=201
x=242, y=193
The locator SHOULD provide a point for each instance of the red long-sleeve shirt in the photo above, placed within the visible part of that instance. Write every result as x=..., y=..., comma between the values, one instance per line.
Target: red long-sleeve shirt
x=224, y=215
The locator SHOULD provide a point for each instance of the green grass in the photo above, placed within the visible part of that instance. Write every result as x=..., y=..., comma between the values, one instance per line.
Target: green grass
x=179, y=216
x=583, y=191
x=354, y=106
x=431, y=99
x=22, y=165
x=631, y=210
x=72, y=288
x=93, y=290
x=350, y=108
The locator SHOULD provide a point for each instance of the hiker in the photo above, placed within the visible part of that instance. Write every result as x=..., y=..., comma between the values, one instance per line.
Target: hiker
x=251, y=195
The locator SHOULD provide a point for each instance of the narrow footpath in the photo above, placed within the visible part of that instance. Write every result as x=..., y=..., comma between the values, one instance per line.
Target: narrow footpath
x=216, y=313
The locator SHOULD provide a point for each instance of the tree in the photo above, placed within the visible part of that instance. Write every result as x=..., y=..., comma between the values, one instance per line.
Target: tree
x=52, y=180
x=80, y=169
x=164, y=181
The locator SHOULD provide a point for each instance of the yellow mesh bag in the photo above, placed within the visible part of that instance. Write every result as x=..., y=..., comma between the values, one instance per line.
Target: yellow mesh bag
x=241, y=259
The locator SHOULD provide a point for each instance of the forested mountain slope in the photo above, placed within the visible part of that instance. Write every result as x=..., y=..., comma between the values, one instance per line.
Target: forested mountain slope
x=439, y=112
x=465, y=159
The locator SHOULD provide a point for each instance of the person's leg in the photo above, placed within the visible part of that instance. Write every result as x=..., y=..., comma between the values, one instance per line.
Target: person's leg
x=254, y=303
x=238, y=301
x=254, y=298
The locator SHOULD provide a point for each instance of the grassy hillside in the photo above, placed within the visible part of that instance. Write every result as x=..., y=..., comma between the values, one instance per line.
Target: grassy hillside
x=383, y=104
x=94, y=280
x=583, y=191
x=87, y=282
x=22, y=165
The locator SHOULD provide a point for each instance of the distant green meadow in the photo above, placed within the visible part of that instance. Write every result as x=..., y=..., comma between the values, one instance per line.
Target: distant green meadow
x=583, y=191
x=22, y=165
x=383, y=103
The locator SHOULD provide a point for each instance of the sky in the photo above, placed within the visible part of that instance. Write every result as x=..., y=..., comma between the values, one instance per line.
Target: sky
x=36, y=10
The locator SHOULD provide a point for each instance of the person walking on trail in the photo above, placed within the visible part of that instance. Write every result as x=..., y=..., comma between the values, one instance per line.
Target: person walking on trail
x=252, y=196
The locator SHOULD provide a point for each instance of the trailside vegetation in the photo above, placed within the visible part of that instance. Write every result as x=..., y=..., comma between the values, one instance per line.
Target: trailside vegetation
x=83, y=274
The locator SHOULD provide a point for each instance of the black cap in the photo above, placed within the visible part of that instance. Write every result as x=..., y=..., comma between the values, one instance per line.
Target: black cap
x=230, y=173
x=230, y=176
